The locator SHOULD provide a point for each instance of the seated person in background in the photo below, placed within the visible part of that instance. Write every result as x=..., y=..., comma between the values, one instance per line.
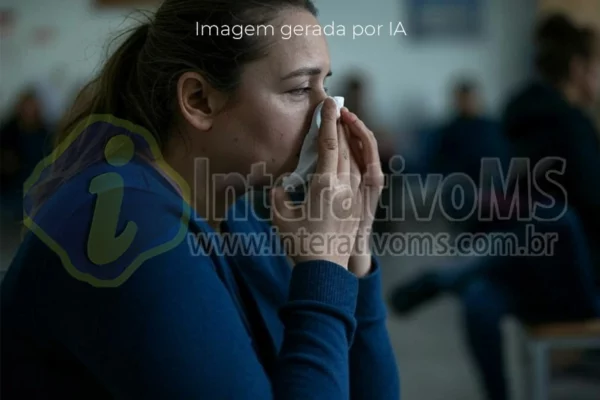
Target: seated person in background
x=469, y=136
x=24, y=140
x=553, y=118
x=546, y=122
x=464, y=142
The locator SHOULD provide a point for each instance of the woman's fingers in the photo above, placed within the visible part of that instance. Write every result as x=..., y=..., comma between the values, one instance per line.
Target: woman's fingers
x=356, y=150
x=343, y=154
x=358, y=128
x=355, y=162
x=350, y=155
x=354, y=142
x=370, y=152
x=327, y=163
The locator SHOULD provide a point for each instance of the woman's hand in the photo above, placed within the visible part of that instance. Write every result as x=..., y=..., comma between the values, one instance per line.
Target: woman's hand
x=364, y=148
x=325, y=225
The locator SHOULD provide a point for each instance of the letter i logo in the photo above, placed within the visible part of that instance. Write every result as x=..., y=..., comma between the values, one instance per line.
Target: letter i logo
x=104, y=245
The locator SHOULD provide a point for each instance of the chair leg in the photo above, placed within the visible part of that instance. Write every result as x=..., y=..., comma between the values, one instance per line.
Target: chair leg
x=540, y=365
x=517, y=359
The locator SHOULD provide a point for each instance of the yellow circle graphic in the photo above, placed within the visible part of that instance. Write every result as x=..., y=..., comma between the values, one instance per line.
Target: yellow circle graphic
x=119, y=150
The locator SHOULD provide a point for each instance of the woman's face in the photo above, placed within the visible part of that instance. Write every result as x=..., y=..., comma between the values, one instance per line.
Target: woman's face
x=268, y=117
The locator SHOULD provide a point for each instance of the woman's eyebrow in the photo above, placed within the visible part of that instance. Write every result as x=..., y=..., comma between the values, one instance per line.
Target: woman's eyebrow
x=306, y=71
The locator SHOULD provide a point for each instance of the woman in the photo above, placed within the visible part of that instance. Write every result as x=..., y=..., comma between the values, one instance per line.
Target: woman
x=111, y=296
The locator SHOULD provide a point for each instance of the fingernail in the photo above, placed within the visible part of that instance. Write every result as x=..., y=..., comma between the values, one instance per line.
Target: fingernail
x=328, y=111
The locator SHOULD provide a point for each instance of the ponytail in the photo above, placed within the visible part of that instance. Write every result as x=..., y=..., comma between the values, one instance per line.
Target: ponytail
x=114, y=90
x=138, y=82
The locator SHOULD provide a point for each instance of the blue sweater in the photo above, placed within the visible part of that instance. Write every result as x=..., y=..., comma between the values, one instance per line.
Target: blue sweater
x=171, y=319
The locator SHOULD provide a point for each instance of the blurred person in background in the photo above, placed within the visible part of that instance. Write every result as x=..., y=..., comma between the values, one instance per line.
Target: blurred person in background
x=464, y=141
x=553, y=117
x=470, y=134
x=24, y=140
x=547, y=122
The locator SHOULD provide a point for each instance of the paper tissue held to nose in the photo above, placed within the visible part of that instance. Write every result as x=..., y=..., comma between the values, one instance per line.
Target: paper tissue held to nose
x=310, y=150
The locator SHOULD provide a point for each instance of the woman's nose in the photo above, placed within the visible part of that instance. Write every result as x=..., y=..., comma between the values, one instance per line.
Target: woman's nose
x=320, y=97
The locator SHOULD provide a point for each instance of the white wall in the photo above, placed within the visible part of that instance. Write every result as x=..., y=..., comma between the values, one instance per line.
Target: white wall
x=83, y=33
x=409, y=78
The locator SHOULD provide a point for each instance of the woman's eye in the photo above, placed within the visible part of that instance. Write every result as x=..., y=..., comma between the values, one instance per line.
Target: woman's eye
x=303, y=91
x=300, y=91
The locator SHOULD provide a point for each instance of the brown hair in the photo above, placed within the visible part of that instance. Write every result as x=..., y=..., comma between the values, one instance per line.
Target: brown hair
x=138, y=82
x=558, y=41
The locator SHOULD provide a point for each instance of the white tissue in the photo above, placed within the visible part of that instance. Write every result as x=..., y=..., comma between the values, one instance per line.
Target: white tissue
x=310, y=151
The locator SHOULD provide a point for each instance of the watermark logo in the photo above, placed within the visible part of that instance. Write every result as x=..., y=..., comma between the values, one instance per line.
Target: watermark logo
x=104, y=234
x=94, y=239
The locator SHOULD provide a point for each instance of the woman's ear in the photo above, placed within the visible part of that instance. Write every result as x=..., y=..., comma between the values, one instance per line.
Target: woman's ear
x=198, y=101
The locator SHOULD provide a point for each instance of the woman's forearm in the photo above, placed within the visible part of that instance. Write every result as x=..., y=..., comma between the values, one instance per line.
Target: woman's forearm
x=373, y=369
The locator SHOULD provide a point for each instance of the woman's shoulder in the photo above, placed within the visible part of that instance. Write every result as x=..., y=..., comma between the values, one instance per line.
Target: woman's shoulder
x=101, y=193
x=59, y=194
x=104, y=223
